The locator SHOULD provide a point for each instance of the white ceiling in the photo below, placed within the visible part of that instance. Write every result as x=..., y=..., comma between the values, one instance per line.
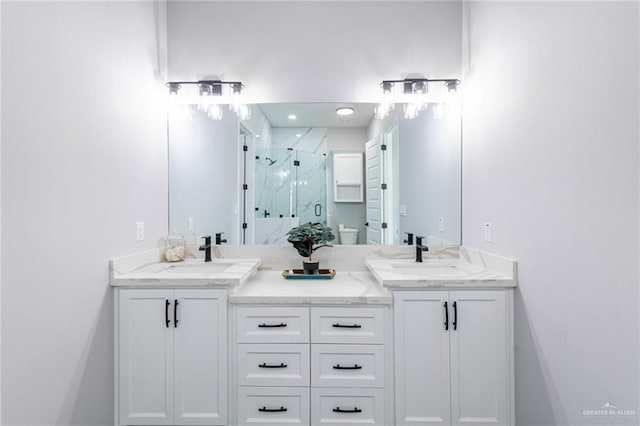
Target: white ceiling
x=317, y=114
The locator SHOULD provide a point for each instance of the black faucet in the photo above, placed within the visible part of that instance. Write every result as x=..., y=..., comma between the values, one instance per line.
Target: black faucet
x=409, y=240
x=420, y=248
x=219, y=239
x=206, y=248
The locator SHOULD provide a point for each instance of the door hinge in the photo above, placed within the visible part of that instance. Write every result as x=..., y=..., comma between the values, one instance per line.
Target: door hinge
x=245, y=186
x=384, y=186
x=244, y=226
x=384, y=225
x=245, y=148
x=296, y=162
x=383, y=147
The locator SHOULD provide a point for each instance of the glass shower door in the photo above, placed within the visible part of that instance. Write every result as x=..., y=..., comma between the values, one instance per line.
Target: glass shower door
x=310, y=187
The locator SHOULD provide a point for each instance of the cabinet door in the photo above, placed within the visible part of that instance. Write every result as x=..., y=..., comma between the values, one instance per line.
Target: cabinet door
x=200, y=357
x=145, y=357
x=421, y=358
x=479, y=358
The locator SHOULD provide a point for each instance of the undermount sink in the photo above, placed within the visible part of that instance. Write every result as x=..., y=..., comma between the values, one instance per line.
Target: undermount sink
x=428, y=269
x=197, y=268
x=224, y=272
x=408, y=272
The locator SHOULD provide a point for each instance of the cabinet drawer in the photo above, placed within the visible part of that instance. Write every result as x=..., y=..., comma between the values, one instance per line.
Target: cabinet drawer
x=337, y=406
x=273, y=365
x=347, y=365
x=272, y=325
x=347, y=325
x=273, y=406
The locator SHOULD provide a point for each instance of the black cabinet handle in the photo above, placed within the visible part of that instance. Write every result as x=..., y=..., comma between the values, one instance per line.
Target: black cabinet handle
x=166, y=312
x=338, y=325
x=271, y=410
x=272, y=325
x=455, y=315
x=265, y=365
x=317, y=209
x=354, y=367
x=446, y=316
x=340, y=410
x=175, y=313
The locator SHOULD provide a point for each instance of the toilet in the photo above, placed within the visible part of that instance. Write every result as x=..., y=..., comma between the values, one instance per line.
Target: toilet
x=348, y=235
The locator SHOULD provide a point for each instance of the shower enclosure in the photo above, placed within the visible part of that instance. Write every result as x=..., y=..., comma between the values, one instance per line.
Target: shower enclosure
x=291, y=188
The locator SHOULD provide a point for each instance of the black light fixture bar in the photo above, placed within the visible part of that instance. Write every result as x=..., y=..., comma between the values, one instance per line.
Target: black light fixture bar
x=450, y=83
x=174, y=86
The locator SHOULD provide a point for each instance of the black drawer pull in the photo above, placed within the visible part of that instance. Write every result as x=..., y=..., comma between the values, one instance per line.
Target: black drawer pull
x=272, y=325
x=446, y=316
x=340, y=410
x=455, y=316
x=354, y=367
x=272, y=410
x=338, y=325
x=265, y=365
x=166, y=313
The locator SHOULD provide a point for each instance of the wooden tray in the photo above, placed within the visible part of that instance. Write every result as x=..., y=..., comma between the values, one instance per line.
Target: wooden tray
x=298, y=274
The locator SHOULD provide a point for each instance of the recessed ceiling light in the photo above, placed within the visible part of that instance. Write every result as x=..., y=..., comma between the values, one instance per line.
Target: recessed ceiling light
x=292, y=117
x=257, y=136
x=298, y=135
x=345, y=111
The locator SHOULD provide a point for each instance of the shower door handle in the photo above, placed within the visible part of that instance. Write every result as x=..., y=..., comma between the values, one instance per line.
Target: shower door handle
x=318, y=209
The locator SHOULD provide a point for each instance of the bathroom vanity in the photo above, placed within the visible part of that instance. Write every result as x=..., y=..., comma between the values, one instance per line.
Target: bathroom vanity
x=388, y=341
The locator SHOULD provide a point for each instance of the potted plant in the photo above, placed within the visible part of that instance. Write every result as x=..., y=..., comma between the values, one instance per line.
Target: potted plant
x=308, y=238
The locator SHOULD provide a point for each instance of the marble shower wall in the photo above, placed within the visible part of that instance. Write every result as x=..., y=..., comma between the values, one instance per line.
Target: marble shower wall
x=290, y=176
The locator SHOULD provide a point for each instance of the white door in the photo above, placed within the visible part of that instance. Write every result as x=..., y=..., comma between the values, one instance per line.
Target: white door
x=421, y=357
x=145, y=357
x=479, y=358
x=374, y=193
x=200, y=357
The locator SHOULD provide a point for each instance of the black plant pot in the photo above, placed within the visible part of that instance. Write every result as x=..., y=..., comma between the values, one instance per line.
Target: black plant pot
x=310, y=267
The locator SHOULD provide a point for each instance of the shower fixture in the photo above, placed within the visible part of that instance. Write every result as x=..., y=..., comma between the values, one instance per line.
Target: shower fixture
x=271, y=162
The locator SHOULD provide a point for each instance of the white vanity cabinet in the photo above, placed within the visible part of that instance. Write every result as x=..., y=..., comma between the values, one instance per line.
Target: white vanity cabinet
x=171, y=356
x=310, y=365
x=453, y=357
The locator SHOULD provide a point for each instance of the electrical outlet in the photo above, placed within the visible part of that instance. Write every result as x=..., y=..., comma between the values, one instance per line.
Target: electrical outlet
x=139, y=231
x=441, y=224
x=403, y=209
x=190, y=223
x=487, y=232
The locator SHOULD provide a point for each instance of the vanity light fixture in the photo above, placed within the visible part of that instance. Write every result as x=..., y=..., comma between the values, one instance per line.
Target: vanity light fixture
x=415, y=91
x=173, y=88
x=343, y=111
x=214, y=88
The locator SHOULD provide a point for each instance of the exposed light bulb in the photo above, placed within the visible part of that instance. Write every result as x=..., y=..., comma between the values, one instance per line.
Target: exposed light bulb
x=173, y=88
x=205, y=89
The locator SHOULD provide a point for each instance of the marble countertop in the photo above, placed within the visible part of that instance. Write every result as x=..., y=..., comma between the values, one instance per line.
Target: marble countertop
x=191, y=273
x=347, y=287
x=443, y=273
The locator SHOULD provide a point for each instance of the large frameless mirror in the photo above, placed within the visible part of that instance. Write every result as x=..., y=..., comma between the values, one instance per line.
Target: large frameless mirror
x=371, y=180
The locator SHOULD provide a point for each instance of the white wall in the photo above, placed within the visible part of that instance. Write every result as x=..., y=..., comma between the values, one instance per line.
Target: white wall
x=203, y=171
x=551, y=160
x=352, y=215
x=429, y=155
x=314, y=51
x=84, y=157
